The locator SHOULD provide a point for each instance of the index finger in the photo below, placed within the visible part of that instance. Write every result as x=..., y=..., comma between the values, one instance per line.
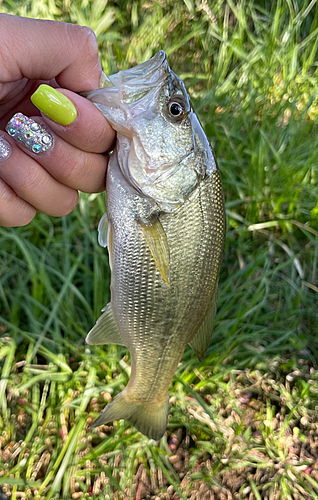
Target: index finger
x=43, y=50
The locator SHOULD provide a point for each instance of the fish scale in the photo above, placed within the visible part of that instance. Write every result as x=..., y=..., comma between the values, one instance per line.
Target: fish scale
x=186, y=316
x=166, y=229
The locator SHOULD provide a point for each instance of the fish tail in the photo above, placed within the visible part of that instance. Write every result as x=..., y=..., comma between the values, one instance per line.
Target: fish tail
x=150, y=419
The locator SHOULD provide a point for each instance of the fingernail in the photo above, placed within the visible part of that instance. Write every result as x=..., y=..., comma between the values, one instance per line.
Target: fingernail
x=54, y=105
x=5, y=149
x=30, y=133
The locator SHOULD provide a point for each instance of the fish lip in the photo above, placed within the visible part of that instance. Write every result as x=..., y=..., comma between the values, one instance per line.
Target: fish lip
x=144, y=78
x=144, y=72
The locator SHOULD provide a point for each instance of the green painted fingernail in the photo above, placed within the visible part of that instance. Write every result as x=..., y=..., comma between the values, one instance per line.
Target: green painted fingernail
x=54, y=105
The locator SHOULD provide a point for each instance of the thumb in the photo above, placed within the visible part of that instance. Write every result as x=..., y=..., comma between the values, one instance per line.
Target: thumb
x=43, y=50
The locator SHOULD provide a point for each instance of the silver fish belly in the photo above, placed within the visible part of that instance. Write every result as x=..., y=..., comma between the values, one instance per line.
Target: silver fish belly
x=165, y=228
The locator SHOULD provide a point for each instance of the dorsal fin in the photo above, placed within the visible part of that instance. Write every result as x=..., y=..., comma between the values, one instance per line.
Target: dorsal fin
x=202, y=339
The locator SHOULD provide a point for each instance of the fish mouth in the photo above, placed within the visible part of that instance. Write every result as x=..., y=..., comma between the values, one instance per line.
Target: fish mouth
x=146, y=72
x=129, y=87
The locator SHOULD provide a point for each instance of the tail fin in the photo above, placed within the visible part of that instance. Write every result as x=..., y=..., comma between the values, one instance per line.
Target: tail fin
x=150, y=419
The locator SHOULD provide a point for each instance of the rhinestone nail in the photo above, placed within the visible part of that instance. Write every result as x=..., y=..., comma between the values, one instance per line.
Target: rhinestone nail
x=30, y=133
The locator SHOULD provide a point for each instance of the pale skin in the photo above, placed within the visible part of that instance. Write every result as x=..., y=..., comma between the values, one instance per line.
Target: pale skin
x=63, y=56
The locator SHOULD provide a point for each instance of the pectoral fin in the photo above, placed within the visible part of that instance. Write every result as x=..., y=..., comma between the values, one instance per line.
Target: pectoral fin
x=202, y=339
x=156, y=239
x=106, y=330
x=103, y=230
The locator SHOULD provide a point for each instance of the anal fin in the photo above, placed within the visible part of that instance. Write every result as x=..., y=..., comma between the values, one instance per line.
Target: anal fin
x=106, y=330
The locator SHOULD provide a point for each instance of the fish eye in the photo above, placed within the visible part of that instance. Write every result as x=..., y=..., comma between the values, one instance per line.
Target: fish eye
x=176, y=109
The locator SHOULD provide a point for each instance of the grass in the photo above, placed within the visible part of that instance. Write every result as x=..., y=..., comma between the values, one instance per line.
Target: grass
x=243, y=423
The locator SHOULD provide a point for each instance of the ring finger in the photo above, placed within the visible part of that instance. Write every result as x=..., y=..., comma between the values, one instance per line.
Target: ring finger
x=75, y=168
x=32, y=184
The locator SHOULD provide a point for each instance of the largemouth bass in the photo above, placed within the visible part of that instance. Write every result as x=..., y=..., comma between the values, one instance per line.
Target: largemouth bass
x=165, y=230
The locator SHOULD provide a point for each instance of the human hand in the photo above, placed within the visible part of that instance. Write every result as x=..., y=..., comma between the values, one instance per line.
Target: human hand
x=64, y=56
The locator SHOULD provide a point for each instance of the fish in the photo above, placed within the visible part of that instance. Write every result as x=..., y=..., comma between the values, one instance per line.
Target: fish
x=164, y=228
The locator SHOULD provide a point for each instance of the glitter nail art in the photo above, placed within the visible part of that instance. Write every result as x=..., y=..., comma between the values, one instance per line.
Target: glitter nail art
x=5, y=149
x=30, y=133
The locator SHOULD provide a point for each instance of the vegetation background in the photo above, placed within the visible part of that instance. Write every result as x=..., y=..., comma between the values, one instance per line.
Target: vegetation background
x=243, y=423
